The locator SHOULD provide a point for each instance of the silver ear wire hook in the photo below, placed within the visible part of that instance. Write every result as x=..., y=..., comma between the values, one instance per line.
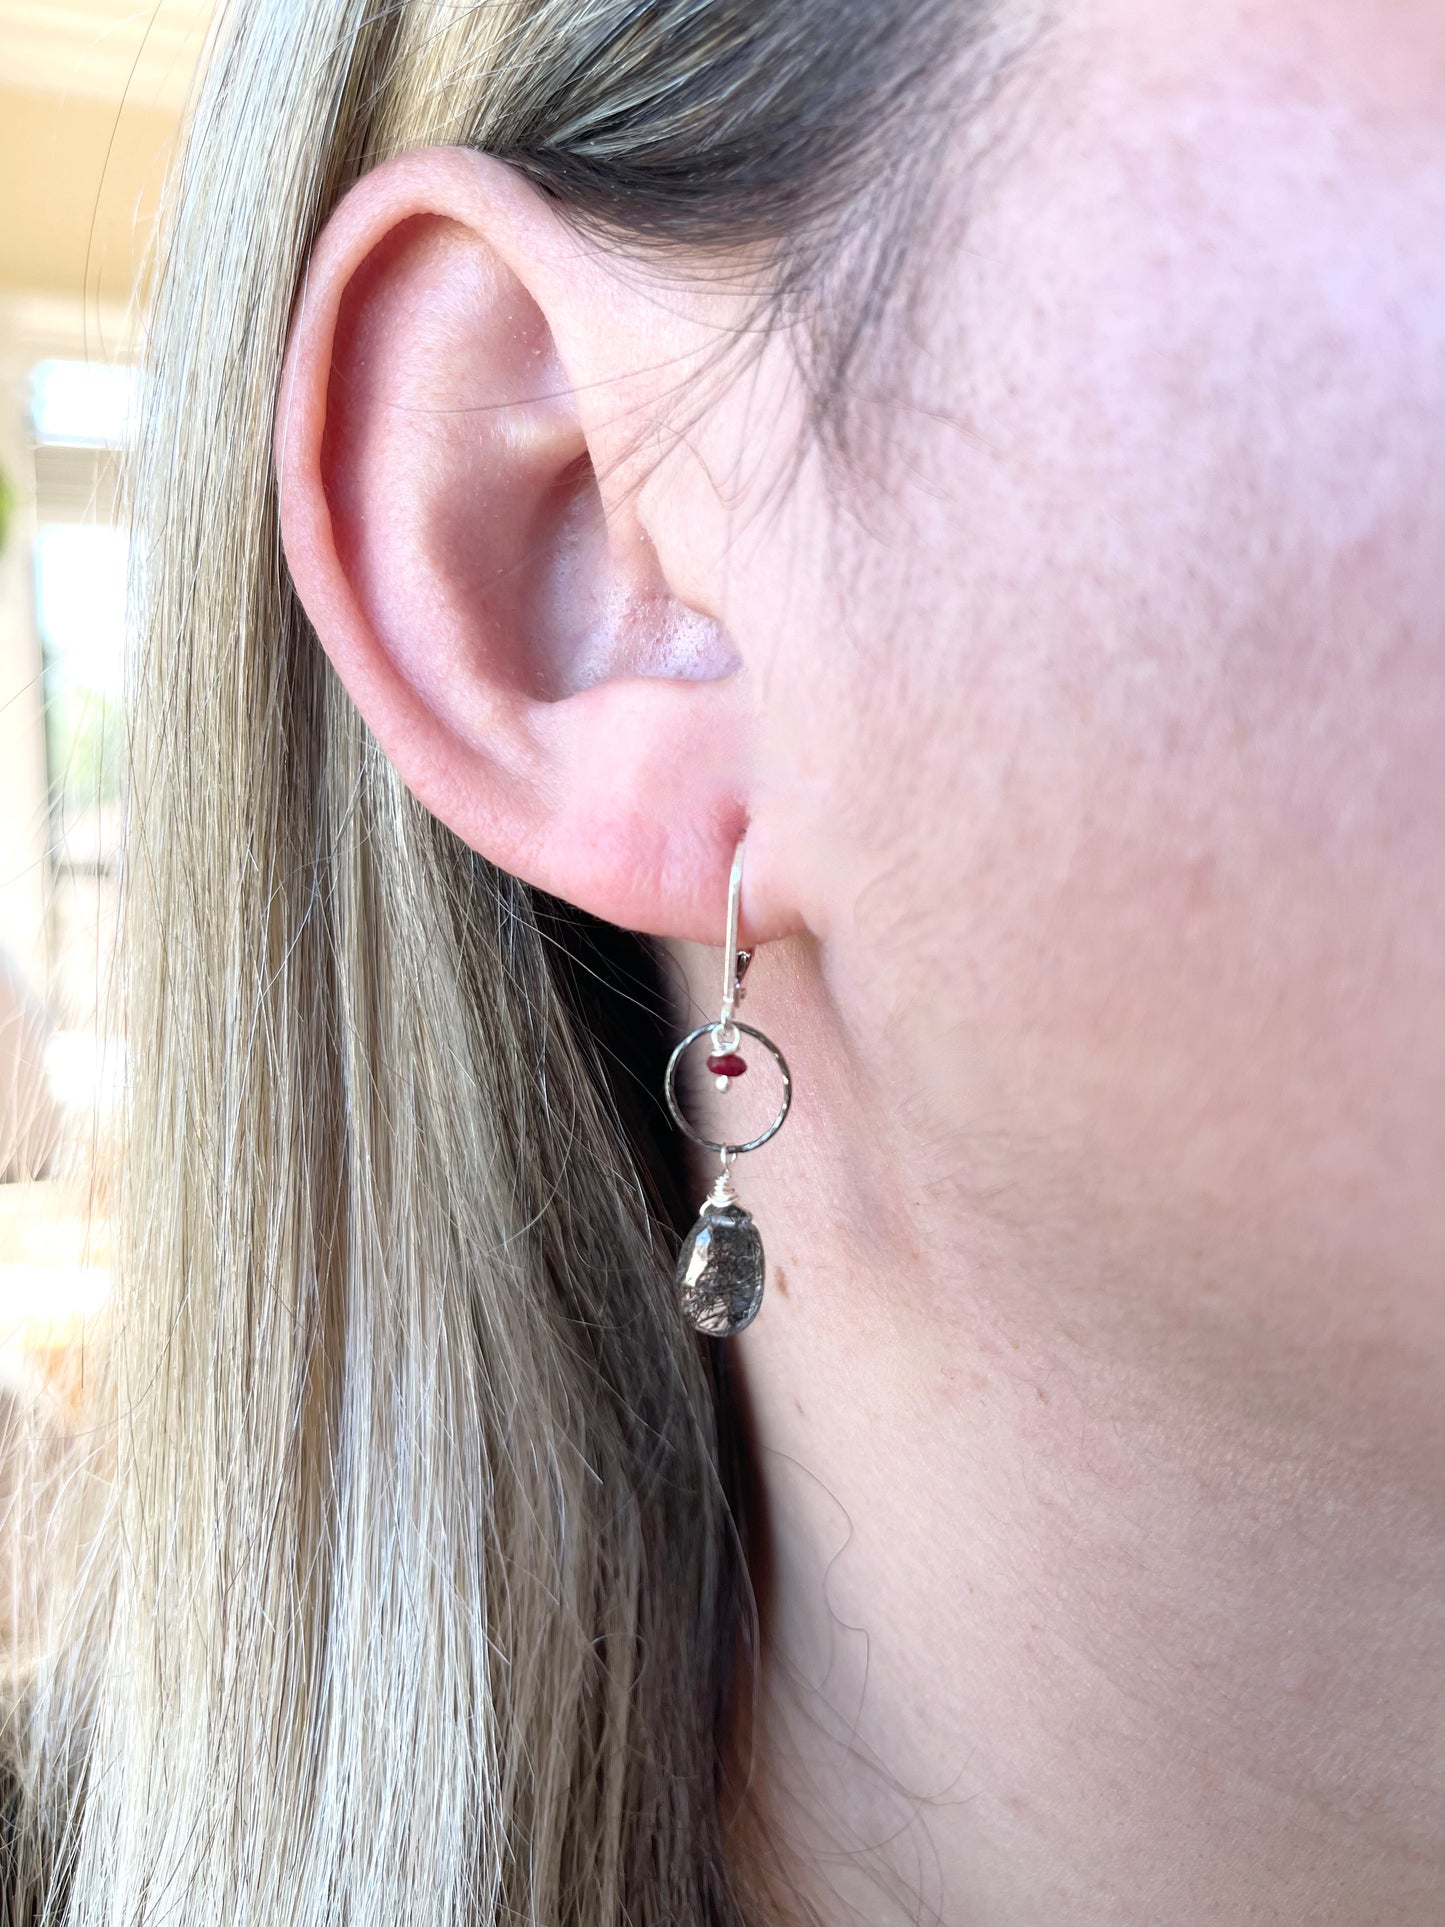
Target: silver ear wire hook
x=735, y=961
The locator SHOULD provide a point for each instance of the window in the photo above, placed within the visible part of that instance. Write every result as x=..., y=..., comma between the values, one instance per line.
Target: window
x=62, y=648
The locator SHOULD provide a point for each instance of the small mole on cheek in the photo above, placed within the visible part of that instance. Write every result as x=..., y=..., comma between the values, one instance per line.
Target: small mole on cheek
x=780, y=1283
x=1041, y=1395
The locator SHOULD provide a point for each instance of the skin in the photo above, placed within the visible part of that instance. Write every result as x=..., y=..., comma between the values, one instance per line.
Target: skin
x=1090, y=745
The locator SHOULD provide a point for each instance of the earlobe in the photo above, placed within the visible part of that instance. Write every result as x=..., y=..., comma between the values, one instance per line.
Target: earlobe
x=505, y=628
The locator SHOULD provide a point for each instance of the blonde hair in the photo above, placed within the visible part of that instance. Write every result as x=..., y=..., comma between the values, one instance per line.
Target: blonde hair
x=417, y=1594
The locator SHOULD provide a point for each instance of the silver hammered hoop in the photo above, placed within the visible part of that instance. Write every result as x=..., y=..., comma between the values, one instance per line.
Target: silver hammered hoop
x=707, y=1143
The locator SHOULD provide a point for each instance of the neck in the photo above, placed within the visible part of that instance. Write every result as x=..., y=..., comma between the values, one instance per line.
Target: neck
x=1077, y=1600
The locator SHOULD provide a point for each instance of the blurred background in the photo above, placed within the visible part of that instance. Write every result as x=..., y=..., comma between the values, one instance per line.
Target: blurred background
x=91, y=96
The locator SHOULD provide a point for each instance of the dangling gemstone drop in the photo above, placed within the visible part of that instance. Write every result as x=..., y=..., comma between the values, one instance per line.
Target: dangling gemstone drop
x=720, y=1270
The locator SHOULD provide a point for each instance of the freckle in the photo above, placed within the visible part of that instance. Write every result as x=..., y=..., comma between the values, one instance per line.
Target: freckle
x=780, y=1283
x=1041, y=1395
x=798, y=1407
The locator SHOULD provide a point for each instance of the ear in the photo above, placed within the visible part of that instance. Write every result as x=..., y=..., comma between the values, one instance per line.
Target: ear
x=460, y=526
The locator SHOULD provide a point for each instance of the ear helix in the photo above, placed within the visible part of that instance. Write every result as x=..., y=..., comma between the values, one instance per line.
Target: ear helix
x=721, y=1268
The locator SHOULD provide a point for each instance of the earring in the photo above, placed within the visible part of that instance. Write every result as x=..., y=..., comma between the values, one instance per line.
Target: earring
x=720, y=1271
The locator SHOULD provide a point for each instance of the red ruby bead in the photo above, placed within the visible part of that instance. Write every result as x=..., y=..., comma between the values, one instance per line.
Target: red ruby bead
x=728, y=1065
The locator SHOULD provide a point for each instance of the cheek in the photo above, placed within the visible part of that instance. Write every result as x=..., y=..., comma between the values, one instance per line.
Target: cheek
x=1131, y=747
